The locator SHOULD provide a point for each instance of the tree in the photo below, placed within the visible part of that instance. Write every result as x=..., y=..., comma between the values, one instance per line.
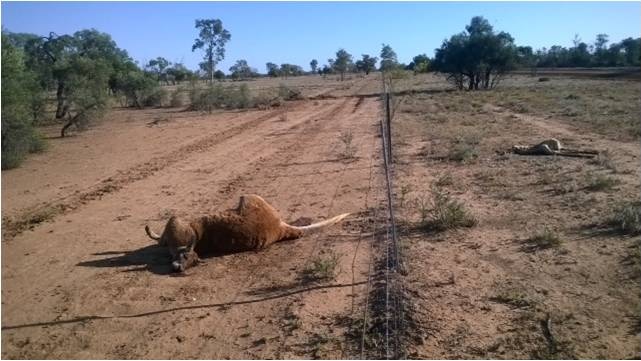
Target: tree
x=219, y=75
x=366, y=64
x=212, y=39
x=80, y=66
x=343, y=62
x=290, y=70
x=327, y=69
x=600, y=50
x=241, y=70
x=388, y=58
x=313, y=64
x=420, y=63
x=272, y=69
x=479, y=56
x=178, y=73
x=632, y=49
x=19, y=87
x=157, y=66
x=579, y=54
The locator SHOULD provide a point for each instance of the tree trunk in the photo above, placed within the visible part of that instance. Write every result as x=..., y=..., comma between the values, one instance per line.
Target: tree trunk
x=61, y=110
x=70, y=122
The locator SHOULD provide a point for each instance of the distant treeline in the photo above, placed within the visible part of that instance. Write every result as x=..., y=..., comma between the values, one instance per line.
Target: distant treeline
x=627, y=52
x=84, y=71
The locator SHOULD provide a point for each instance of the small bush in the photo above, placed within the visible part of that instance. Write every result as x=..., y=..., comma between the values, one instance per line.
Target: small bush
x=266, y=101
x=514, y=298
x=177, y=98
x=462, y=153
x=463, y=148
x=157, y=97
x=287, y=93
x=448, y=213
x=323, y=267
x=600, y=182
x=220, y=97
x=348, y=151
x=240, y=98
x=207, y=99
x=444, y=180
x=545, y=239
x=604, y=159
x=626, y=218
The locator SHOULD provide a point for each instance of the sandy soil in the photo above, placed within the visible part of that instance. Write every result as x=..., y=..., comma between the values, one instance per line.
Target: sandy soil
x=82, y=280
x=486, y=291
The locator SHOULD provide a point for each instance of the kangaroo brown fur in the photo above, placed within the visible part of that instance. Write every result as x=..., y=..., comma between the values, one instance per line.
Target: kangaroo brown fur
x=253, y=225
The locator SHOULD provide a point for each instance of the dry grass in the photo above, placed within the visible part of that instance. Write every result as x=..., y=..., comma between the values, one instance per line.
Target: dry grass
x=626, y=218
x=585, y=102
x=600, y=182
x=544, y=239
x=322, y=268
x=347, y=150
x=446, y=213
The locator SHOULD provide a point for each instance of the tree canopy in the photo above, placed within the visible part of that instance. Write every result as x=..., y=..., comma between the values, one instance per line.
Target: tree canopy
x=212, y=38
x=342, y=62
x=478, y=57
x=366, y=64
x=389, y=60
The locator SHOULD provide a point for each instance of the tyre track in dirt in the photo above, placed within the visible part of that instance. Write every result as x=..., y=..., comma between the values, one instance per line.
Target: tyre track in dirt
x=16, y=224
x=135, y=285
x=285, y=340
x=262, y=264
x=226, y=185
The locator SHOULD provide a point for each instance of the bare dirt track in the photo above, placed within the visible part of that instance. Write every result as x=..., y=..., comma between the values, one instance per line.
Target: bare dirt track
x=87, y=283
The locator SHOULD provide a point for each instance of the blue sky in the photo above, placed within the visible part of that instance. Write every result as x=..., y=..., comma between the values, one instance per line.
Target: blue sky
x=296, y=32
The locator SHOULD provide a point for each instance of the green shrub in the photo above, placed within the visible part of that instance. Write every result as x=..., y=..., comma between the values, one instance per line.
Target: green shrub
x=323, y=267
x=157, y=97
x=448, y=213
x=139, y=89
x=19, y=88
x=220, y=97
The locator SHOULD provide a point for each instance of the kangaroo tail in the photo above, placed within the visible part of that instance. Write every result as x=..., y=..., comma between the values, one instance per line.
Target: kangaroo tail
x=151, y=234
x=326, y=223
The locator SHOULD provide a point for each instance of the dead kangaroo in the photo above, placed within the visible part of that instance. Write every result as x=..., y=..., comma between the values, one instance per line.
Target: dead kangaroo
x=253, y=225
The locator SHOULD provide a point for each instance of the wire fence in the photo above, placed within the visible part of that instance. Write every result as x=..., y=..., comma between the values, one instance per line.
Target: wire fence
x=385, y=295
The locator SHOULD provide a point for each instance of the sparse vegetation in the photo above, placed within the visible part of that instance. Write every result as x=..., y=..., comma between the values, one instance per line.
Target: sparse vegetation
x=444, y=180
x=600, y=182
x=218, y=96
x=626, y=218
x=405, y=190
x=446, y=213
x=323, y=267
x=348, y=149
x=463, y=149
x=544, y=239
x=288, y=93
x=513, y=298
x=177, y=98
x=604, y=159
